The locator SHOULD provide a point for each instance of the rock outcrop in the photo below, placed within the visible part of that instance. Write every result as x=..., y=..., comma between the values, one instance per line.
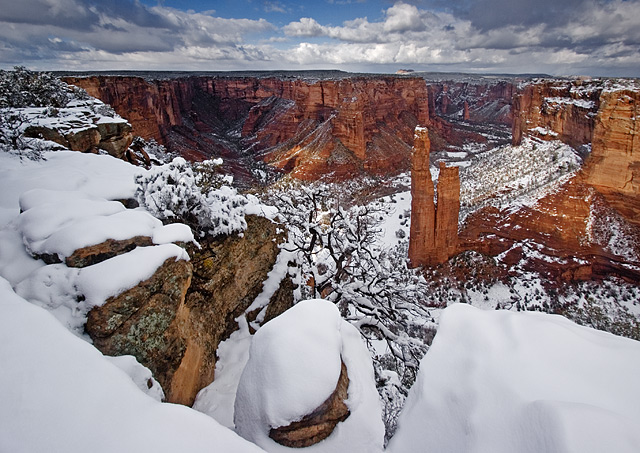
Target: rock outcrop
x=602, y=113
x=447, y=212
x=422, y=229
x=320, y=423
x=112, y=137
x=556, y=110
x=174, y=322
x=613, y=167
x=481, y=101
x=227, y=276
x=144, y=322
x=331, y=126
x=433, y=236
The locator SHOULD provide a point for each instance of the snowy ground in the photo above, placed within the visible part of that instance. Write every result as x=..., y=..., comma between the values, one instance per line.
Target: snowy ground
x=492, y=381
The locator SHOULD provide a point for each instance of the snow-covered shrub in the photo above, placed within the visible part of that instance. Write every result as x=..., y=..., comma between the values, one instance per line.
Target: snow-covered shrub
x=24, y=88
x=340, y=258
x=12, y=140
x=171, y=192
x=157, y=153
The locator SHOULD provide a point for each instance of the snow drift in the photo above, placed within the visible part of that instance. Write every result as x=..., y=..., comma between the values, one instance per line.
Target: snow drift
x=294, y=364
x=498, y=381
x=59, y=394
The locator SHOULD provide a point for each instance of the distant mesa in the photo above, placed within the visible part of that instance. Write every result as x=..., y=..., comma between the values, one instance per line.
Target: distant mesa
x=405, y=71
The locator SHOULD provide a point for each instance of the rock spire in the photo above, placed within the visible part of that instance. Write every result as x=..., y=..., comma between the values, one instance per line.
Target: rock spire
x=433, y=236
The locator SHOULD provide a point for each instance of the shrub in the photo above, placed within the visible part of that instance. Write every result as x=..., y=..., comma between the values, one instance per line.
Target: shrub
x=171, y=193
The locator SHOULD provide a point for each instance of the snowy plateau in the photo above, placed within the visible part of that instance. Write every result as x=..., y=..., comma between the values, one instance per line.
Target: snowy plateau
x=502, y=373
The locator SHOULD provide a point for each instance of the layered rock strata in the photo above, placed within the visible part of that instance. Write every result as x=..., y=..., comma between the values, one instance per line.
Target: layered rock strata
x=481, y=101
x=433, y=236
x=613, y=167
x=338, y=127
x=556, y=110
x=603, y=113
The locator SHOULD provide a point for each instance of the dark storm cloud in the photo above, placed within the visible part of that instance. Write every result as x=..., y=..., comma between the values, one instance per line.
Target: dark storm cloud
x=492, y=14
x=80, y=14
x=62, y=13
x=116, y=27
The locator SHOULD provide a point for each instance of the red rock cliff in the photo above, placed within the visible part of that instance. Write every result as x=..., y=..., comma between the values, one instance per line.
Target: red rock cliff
x=483, y=101
x=328, y=126
x=556, y=110
x=433, y=236
x=613, y=167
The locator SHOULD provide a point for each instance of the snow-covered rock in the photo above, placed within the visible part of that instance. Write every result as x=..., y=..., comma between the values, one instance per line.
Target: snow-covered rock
x=59, y=394
x=497, y=381
x=293, y=368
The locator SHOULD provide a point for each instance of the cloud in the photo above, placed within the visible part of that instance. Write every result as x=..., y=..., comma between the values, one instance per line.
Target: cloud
x=468, y=35
x=305, y=27
x=274, y=7
x=115, y=27
x=401, y=18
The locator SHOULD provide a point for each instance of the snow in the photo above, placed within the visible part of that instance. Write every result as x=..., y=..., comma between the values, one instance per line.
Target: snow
x=271, y=285
x=70, y=293
x=61, y=222
x=93, y=175
x=293, y=367
x=582, y=103
x=500, y=381
x=59, y=394
x=218, y=398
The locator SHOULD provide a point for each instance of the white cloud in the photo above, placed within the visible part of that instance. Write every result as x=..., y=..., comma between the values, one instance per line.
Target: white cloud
x=402, y=17
x=127, y=34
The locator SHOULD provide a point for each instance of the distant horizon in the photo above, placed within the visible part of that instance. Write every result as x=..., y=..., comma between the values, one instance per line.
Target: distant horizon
x=593, y=38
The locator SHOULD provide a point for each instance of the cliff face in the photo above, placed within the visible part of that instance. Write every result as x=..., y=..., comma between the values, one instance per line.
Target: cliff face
x=601, y=113
x=613, y=167
x=433, y=235
x=174, y=321
x=328, y=126
x=556, y=110
x=475, y=101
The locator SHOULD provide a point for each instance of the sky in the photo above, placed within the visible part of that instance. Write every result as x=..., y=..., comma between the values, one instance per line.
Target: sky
x=557, y=37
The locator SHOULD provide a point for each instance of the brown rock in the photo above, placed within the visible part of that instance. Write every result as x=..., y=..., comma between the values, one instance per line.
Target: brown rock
x=142, y=321
x=422, y=229
x=447, y=211
x=318, y=425
x=613, y=167
x=433, y=234
x=227, y=276
x=174, y=322
x=329, y=126
x=94, y=254
x=557, y=106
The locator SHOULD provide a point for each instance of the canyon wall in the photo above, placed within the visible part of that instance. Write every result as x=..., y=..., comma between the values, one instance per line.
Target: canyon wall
x=341, y=127
x=556, y=110
x=613, y=167
x=174, y=321
x=603, y=113
x=584, y=225
x=433, y=234
x=481, y=101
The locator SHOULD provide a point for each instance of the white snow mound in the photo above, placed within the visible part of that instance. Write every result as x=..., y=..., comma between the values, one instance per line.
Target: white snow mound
x=294, y=366
x=59, y=394
x=499, y=381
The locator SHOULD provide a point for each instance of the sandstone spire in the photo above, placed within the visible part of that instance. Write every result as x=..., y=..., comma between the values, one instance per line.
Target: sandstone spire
x=433, y=236
x=422, y=230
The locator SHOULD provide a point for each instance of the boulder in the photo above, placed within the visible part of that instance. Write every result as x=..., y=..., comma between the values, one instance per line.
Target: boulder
x=320, y=423
x=94, y=254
